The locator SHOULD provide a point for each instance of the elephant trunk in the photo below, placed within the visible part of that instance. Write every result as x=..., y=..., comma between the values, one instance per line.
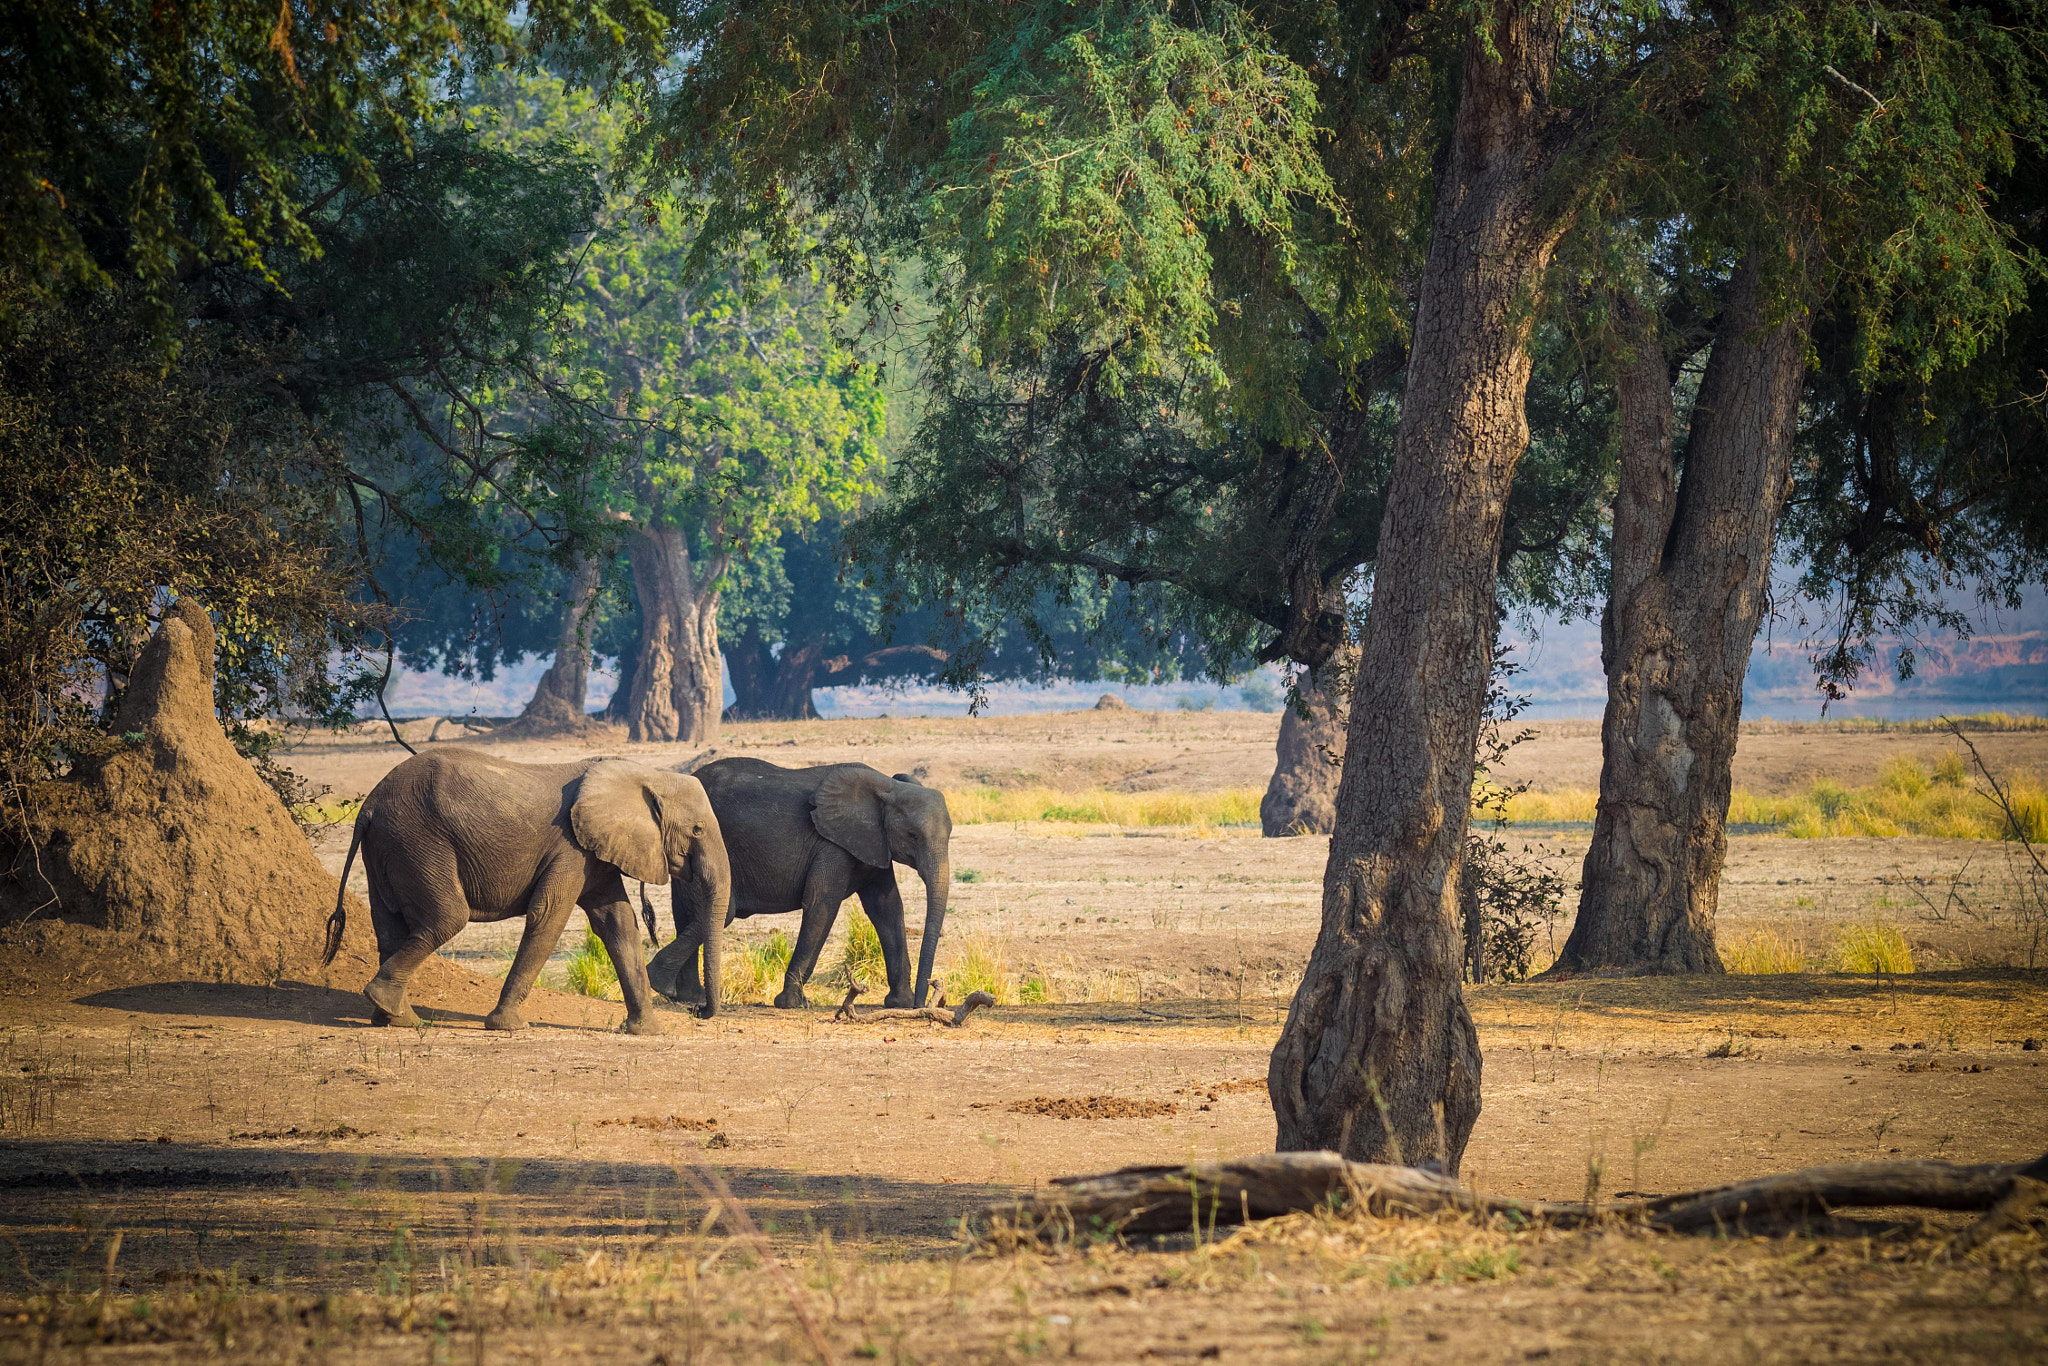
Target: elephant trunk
x=713, y=872
x=938, y=877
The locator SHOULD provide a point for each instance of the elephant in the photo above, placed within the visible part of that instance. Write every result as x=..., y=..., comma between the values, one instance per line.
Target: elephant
x=806, y=839
x=454, y=836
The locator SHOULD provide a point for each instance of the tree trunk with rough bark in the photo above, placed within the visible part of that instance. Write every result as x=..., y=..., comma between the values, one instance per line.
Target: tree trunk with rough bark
x=1301, y=798
x=677, y=691
x=768, y=687
x=1691, y=575
x=558, y=703
x=1378, y=1059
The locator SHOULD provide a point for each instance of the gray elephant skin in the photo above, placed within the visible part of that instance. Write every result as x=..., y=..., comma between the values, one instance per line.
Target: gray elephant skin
x=805, y=839
x=455, y=836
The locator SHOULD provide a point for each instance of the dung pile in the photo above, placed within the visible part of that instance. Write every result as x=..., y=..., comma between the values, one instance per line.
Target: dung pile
x=171, y=860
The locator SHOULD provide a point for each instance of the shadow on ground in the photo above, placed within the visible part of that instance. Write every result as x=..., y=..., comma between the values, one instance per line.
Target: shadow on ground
x=321, y=1220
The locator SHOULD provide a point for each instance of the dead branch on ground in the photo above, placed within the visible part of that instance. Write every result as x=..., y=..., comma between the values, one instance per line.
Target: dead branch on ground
x=1178, y=1198
x=952, y=1019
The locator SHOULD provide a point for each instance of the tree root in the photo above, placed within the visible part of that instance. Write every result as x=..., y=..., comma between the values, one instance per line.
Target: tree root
x=1177, y=1198
x=952, y=1019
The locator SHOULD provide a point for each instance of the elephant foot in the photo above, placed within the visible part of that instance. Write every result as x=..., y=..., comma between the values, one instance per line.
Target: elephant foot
x=506, y=1018
x=898, y=1001
x=792, y=998
x=643, y=1024
x=387, y=1004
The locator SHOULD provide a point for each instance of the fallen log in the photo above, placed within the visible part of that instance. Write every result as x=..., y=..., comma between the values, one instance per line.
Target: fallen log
x=1170, y=1199
x=951, y=1018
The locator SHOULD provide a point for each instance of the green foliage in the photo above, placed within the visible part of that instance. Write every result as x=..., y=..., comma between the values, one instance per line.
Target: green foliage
x=145, y=140
x=124, y=482
x=736, y=410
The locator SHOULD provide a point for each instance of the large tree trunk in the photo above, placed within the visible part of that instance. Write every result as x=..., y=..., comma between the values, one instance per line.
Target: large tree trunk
x=677, y=690
x=1691, y=571
x=768, y=688
x=1301, y=798
x=558, y=703
x=1378, y=1059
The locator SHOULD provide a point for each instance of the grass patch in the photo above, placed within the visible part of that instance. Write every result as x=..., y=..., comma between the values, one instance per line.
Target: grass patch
x=589, y=971
x=1908, y=798
x=985, y=805
x=1765, y=951
x=863, y=961
x=1869, y=947
x=1874, y=947
x=981, y=962
x=754, y=967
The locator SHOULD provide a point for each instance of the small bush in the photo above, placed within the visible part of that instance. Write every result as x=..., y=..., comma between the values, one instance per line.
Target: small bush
x=1875, y=947
x=589, y=971
x=1035, y=989
x=1951, y=771
x=1765, y=952
x=966, y=875
x=1185, y=702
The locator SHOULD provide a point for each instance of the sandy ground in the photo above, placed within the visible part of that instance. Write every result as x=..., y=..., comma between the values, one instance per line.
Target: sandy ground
x=1140, y=751
x=267, y=1138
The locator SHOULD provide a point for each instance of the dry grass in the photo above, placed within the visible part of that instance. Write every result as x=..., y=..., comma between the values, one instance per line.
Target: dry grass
x=1321, y=1287
x=1873, y=947
x=1765, y=951
x=981, y=962
x=1907, y=799
x=863, y=961
x=754, y=967
x=986, y=805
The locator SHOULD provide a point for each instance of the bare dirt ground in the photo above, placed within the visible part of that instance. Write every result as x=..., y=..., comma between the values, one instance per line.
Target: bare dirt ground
x=287, y=1182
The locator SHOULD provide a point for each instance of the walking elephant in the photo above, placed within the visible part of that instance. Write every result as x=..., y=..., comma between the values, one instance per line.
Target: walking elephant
x=806, y=839
x=454, y=836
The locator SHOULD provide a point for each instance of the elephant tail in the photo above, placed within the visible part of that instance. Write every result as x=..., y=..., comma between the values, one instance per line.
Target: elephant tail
x=338, y=922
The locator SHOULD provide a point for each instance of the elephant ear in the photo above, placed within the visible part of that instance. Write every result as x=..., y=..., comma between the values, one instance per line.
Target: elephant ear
x=849, y=808
x=614, y=819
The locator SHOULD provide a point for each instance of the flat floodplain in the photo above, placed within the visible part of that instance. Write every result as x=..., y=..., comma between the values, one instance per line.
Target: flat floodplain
x=286, y=1181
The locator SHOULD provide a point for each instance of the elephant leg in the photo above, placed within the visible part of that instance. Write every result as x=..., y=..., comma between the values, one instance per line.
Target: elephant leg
x=883, y=902
x=547, y=913
x=619, y=928
x=673, y=972
x=404, y=941
x=823, y=891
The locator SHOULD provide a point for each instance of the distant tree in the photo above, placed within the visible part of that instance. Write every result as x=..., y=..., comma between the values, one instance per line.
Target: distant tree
x=735, y=414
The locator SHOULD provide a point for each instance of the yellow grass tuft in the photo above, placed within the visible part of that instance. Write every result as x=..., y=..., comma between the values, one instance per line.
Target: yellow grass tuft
x=754, y=967
x=1875, y=947
x=589, y=971
x=1764, y=952
x=863, y=961
x=981, y=962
